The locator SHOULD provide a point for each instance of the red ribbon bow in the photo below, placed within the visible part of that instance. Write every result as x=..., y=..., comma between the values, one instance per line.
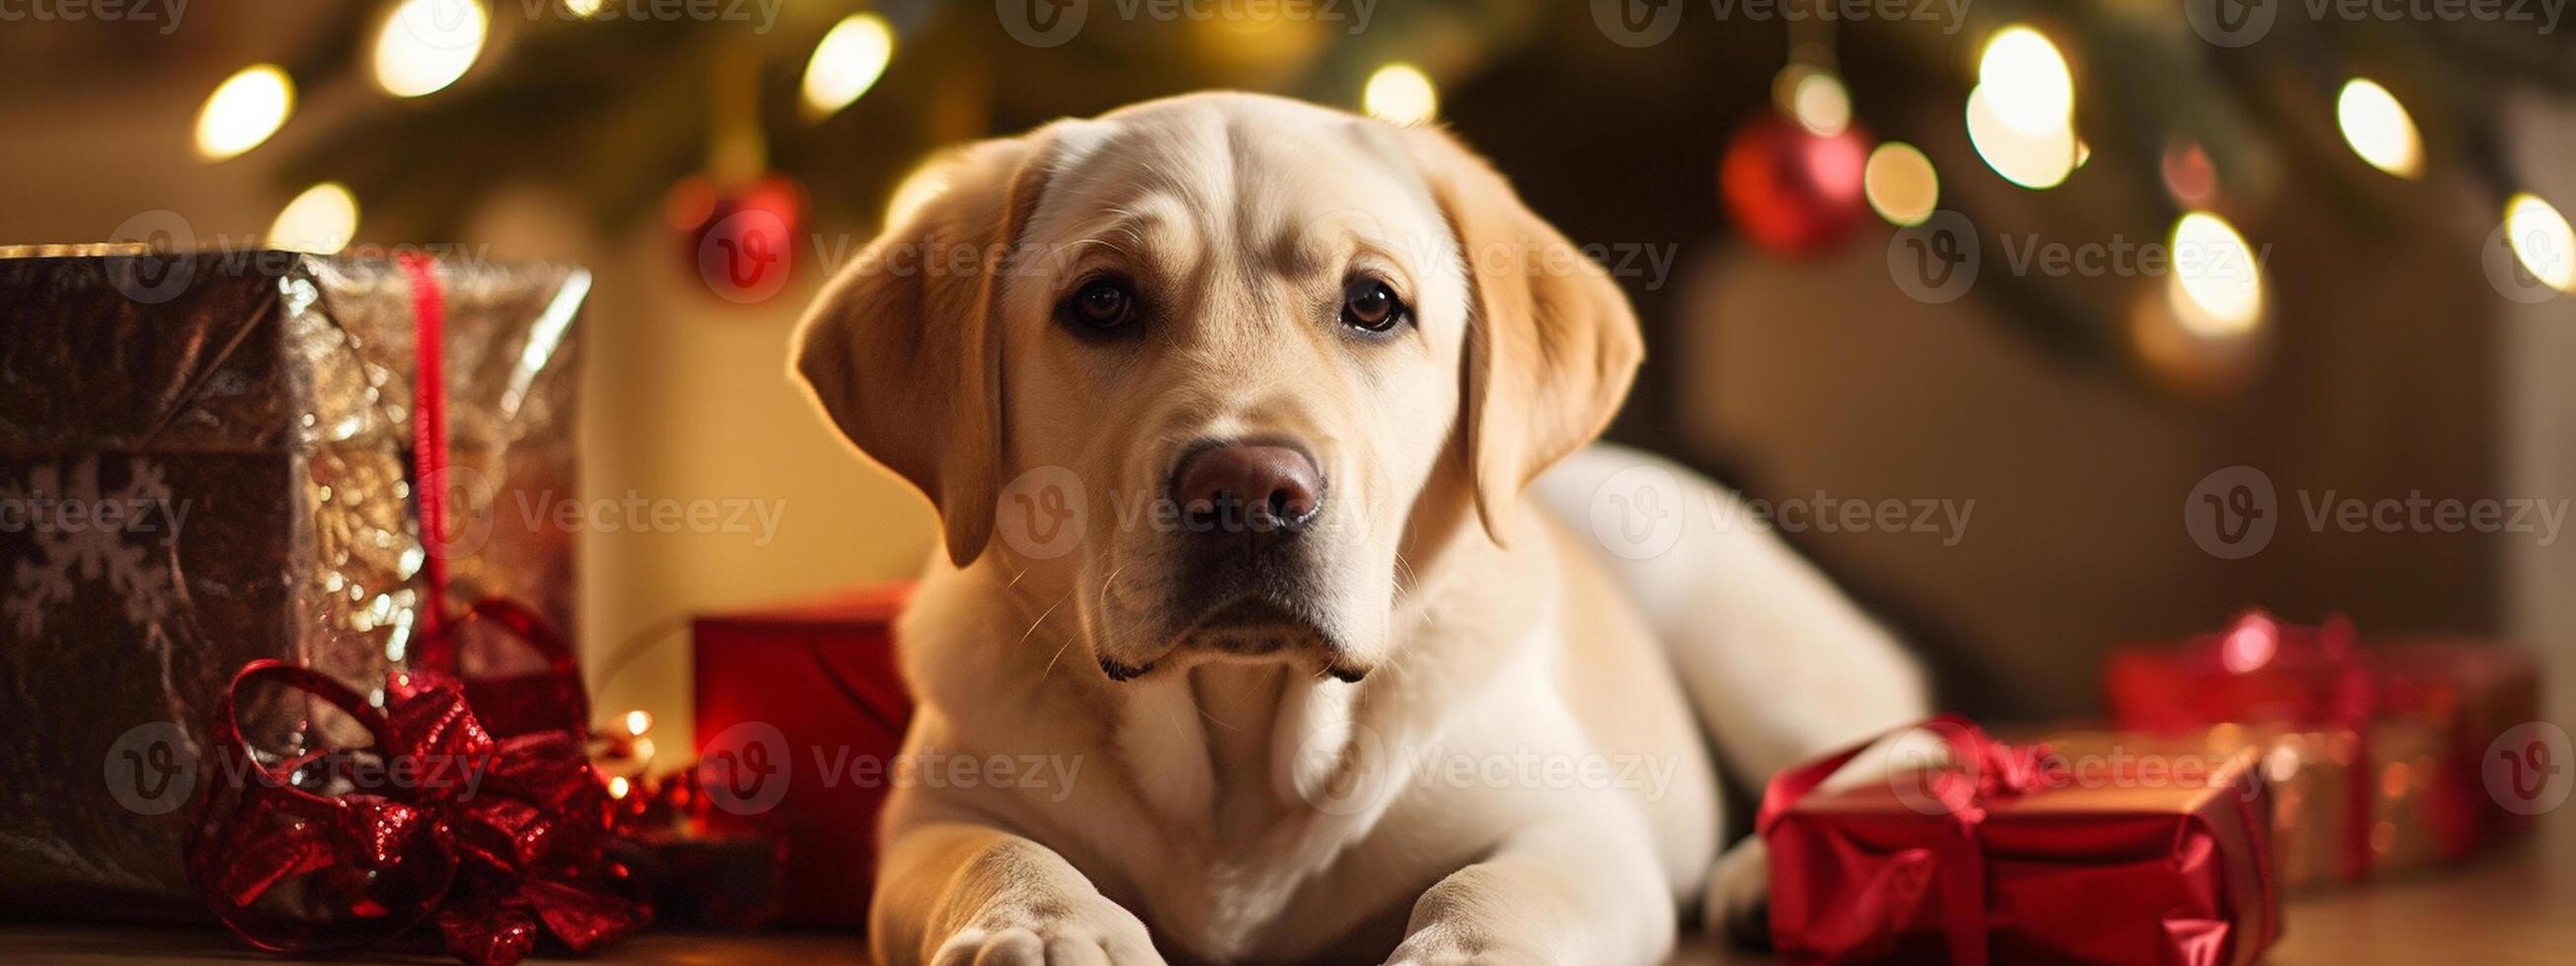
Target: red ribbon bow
x=1980, y=771
x=497, y=839
x=498, y=832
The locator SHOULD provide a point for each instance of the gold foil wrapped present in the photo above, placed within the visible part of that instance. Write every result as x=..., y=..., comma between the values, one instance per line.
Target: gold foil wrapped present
x=2345, y=809
x=205, y=459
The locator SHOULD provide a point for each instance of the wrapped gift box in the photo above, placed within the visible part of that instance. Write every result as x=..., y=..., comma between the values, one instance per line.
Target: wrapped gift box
x=205, y=458
x=2094, y=852
x=800, y=712
x=2375, y=743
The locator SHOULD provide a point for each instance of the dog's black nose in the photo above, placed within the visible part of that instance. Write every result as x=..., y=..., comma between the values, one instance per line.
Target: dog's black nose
x=1252, y=494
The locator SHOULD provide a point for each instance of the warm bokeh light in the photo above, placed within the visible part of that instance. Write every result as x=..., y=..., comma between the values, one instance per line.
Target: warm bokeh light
x=585, y=9
x=1821, y=104
x=243, y=111
x=846, y=63
x=2031, y=162
x=2541, y=241
x=638, y=722
x=1401, y=93
x=1900, y=184
x=321, y=220
x=2216, y=287
x=643, y=748
x=2188, y=173
x=2378, y=128
x=618, y=786
x=2026, y=82
x=427, y=44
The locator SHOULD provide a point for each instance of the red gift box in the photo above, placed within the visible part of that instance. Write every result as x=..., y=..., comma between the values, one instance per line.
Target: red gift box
x=800, y=712
x=2023, y=853
x=2409, y=802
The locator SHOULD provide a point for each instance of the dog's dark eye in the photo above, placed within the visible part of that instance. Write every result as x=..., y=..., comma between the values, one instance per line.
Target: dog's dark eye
x=1101, y=305
x=1370, y=306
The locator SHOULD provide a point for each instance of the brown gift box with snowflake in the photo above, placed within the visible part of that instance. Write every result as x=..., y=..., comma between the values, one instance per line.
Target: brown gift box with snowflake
x=206, y=459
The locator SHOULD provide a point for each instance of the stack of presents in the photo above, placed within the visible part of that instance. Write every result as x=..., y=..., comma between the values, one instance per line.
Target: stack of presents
x=270, y=556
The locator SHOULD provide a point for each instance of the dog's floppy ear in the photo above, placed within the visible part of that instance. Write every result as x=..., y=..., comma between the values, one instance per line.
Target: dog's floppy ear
x=1552, y=345
x=903, y=350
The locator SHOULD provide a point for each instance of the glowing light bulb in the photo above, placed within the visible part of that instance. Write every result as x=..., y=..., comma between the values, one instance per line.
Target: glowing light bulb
x=2541, y=241
x=1900, y=184
x=2216, y=287
x=2378, y=128
x=1401, y=93
x=1821, y=104
x=427, y=44
x=2032, y=162
x=321, y=220
x=2026, y=82
x=638, y=722
x=848, y=61
x=243, y=111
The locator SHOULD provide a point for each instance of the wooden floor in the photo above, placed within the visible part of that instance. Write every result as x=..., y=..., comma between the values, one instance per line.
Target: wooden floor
x=2515, y=906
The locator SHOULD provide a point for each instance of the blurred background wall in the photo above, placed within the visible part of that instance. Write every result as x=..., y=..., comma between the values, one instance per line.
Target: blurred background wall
x=2383, y=360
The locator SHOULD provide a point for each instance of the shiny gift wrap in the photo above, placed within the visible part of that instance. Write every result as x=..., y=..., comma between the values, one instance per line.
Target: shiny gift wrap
x=206, y=460
x=809, y=686
x=2375, y=744
x=2025, y=853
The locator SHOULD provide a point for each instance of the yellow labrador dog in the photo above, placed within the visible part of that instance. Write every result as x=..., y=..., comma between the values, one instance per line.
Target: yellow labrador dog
x=1231, y=408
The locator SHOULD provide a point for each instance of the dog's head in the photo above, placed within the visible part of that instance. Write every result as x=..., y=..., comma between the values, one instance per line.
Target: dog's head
x=1206, y=366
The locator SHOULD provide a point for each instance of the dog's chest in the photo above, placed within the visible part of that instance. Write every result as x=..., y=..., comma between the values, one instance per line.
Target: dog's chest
x=1231, y=767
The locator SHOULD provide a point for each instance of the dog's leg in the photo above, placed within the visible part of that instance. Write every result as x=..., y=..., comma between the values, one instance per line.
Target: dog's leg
x=1578, y=889
x=1780, y=666
x=1739, y=886
x=953, y=894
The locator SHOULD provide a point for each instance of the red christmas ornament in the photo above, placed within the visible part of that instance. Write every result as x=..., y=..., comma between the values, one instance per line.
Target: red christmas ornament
x=741, y=242
x=1791, y=190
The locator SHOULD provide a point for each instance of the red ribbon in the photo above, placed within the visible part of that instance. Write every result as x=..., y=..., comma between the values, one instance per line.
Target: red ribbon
x=495, y=839
x=517, y=851
x=429, y=434
x=1982, y=771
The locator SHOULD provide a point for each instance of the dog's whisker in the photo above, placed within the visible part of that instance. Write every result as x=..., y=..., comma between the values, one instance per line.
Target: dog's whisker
x=1033, y=630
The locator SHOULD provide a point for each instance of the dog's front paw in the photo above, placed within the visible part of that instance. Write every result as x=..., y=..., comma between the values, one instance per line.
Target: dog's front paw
x=1442, y=946
x=1099, y=933
x=1739, y=894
